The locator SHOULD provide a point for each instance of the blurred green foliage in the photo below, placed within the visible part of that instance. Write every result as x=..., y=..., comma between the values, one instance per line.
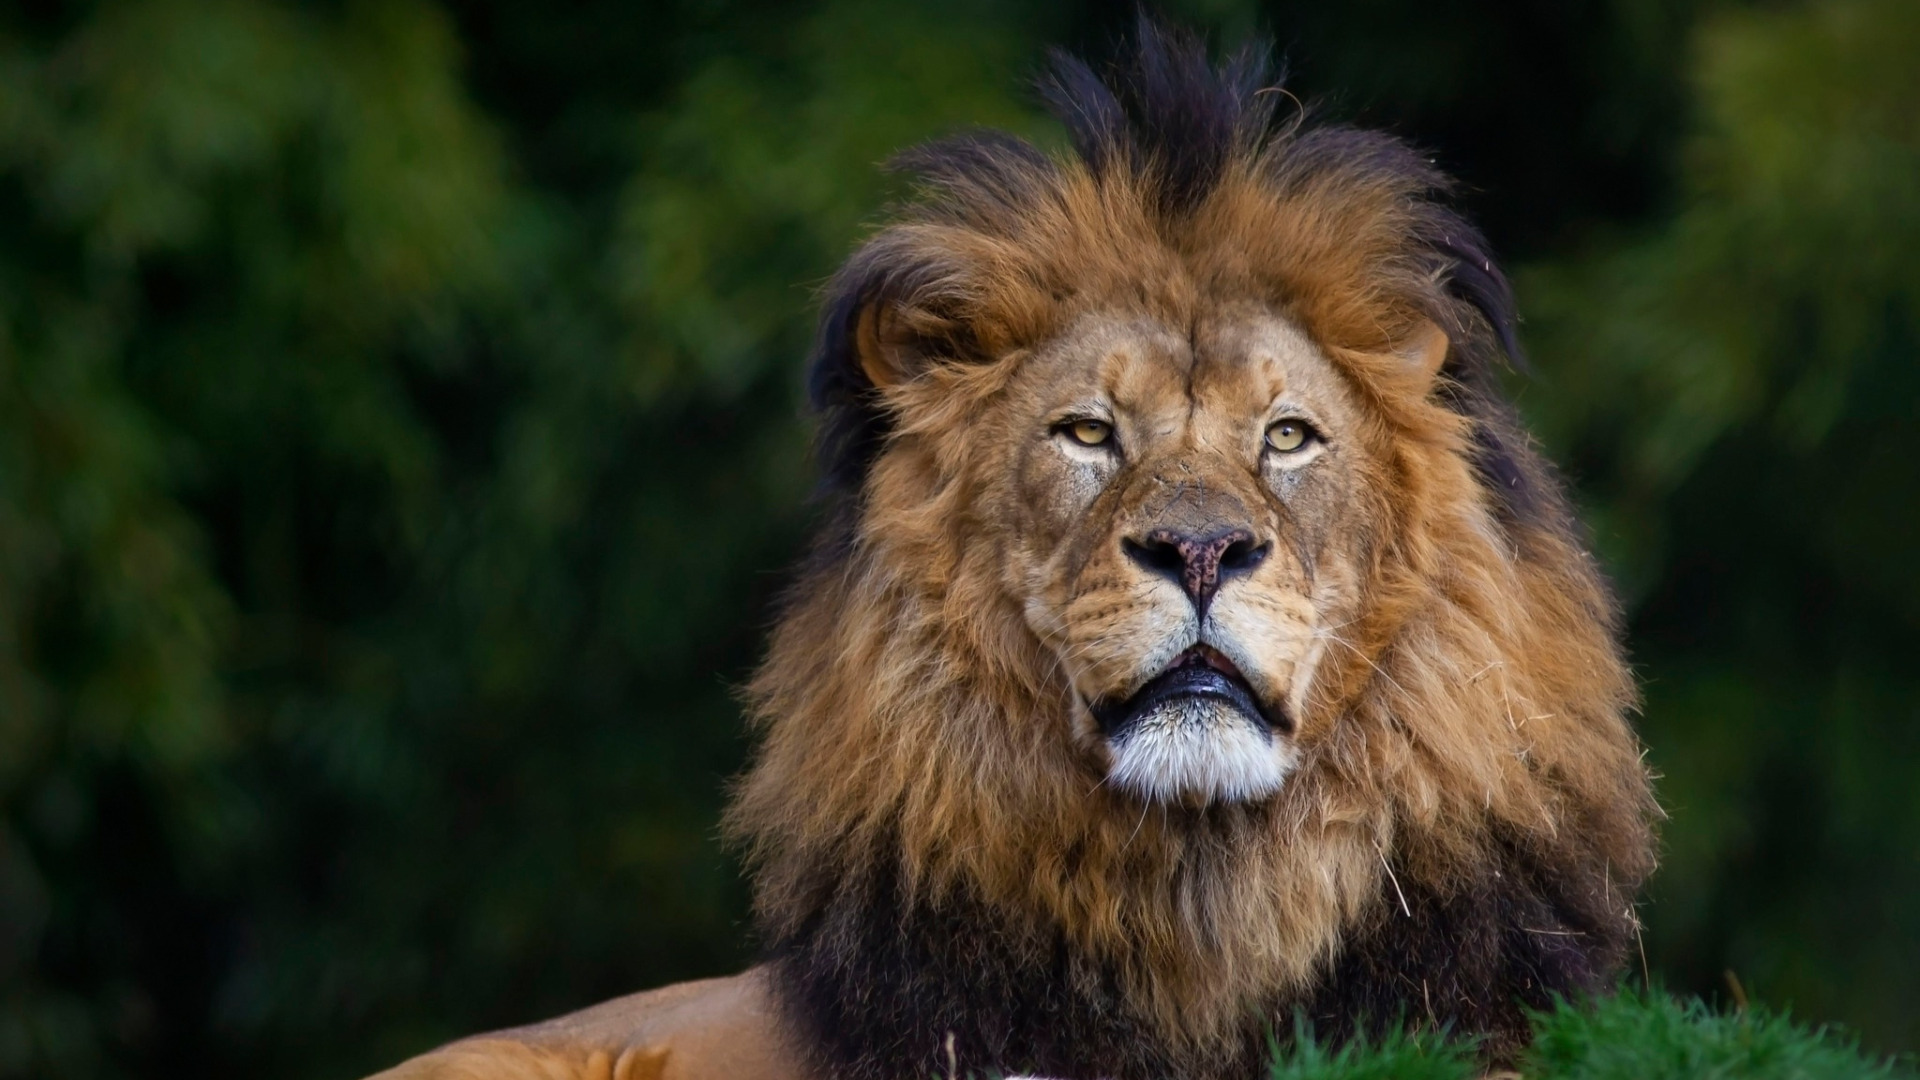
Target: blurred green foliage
x=400, y=450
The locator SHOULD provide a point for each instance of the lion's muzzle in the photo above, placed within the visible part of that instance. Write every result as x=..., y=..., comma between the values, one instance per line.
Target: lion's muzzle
x=1196, y=732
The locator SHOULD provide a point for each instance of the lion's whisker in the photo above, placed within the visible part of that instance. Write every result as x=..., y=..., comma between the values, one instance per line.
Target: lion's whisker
x=1144, y=807
x=1338, y=640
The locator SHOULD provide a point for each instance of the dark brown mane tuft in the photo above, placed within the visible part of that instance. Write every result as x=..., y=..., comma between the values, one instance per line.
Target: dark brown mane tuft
x=1165, y=113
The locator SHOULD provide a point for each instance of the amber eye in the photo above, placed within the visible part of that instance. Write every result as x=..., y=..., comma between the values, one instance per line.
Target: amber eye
x=1288, y=436
x=1090, y=432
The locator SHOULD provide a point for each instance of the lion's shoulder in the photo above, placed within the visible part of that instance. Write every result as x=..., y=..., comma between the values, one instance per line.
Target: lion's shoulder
x=710, y=1029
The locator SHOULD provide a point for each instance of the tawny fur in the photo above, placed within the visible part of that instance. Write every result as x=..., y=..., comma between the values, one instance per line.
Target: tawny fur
x=911, y=717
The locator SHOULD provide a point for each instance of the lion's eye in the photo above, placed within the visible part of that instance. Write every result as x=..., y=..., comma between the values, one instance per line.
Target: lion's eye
x=1288, y=436
x=1090, y=432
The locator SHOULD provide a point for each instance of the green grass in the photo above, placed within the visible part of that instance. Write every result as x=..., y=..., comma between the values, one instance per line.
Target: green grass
x=1632, y=1036
x=1397, y=1055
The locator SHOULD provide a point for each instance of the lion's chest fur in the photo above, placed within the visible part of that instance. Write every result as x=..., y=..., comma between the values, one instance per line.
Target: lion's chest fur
x=885, y=990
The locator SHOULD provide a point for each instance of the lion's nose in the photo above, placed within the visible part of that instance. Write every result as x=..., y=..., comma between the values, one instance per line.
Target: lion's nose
x=1200, y=564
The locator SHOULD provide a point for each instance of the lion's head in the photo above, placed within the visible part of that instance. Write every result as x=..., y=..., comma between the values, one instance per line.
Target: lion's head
x=1192, y=607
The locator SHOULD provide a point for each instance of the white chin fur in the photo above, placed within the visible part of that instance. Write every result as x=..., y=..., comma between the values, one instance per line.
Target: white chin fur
x=1199, y=748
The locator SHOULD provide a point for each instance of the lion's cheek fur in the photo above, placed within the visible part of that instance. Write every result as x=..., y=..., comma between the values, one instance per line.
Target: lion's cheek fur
x=1269, y=636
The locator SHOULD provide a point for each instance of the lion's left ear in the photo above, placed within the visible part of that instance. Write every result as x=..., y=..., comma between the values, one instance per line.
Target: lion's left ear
x=1426, y=347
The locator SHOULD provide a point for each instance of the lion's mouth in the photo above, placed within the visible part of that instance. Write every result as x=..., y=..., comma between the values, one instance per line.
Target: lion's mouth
x=1201, y=672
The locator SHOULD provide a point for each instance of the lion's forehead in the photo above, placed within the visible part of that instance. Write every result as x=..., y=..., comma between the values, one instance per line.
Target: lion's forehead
x=1203, y=378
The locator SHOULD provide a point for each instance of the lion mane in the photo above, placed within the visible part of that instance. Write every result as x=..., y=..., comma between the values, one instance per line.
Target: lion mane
x=939, y=880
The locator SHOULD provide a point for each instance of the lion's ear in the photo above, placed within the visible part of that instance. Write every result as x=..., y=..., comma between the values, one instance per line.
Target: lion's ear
x=1426, y=347
x=886, y=321
x=892, y=343
x=884, y=355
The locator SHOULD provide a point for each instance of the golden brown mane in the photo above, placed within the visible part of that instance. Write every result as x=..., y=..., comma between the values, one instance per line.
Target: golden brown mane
x=1468, y=730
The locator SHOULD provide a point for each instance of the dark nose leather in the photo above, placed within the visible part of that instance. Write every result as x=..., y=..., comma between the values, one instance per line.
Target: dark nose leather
x=1200, y=564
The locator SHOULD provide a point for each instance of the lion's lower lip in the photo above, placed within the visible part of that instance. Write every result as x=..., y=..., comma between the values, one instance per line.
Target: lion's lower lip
x=1195, y=674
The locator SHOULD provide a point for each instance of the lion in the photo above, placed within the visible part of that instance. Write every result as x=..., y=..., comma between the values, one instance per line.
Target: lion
x=1197, y=650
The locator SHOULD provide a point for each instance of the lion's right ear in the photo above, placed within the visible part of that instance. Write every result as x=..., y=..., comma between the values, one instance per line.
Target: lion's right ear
x=886, y=355
x=877, y=331
x=894, y=341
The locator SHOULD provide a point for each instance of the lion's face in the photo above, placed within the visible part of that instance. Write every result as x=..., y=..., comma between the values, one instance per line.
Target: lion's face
x=1186, y=540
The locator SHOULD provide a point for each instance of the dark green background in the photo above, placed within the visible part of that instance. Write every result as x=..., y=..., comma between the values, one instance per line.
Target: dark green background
x=400, y=450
